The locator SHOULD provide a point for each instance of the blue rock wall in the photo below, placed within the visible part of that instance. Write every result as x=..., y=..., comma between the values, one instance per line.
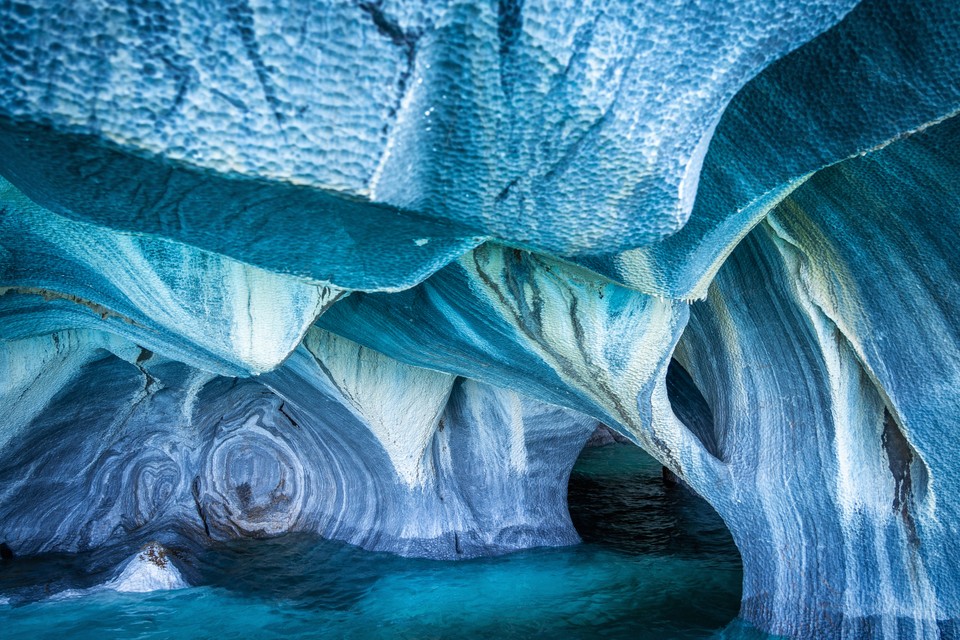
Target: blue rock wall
x=507, y=117
x=883, y=72
x=200, y=307
x=825, y=350
x=377, y=270
x=340, y=441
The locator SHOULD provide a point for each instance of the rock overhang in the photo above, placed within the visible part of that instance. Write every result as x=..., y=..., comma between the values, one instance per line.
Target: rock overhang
x=489, y=214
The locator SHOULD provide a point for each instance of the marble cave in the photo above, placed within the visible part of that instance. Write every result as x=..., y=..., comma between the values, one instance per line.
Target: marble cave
x=282, y=274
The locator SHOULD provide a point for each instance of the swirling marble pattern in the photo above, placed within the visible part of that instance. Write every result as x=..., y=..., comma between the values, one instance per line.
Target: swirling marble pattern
x=830, y=466
x=376, y=270
x=166, y=448
x=805, y=345
x=553, y=330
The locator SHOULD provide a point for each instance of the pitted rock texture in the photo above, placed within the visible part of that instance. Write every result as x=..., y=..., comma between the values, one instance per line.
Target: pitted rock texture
x=376, y=271
x=509, y=117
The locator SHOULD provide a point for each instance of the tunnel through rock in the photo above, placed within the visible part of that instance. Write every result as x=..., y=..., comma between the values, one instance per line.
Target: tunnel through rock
x=373, y=271
x=618, y=497
x=620, y=501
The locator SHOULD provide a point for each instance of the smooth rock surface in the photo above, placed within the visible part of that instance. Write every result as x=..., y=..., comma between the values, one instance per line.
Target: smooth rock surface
x=468, y=470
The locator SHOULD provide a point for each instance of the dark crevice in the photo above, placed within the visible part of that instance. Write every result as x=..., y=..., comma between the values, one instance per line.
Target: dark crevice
x=185, y=78
x=505, y=192
x=241, y=14
x=196, y=501
x=904, y=464
x=406, y=41
x=509, y=24
x=509, y=28
x=160, y=30
x=692, y=409
x=244, y=495
x=233, y=100
x=49, y=295
x=283, y=410
x=145, y=354
x=909, y=471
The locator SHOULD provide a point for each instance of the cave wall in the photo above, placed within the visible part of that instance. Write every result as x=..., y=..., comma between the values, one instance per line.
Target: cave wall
x=376, y=271
x=353, y=446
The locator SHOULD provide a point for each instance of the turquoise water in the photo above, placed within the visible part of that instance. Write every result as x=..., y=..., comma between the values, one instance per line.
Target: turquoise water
x=656, y=563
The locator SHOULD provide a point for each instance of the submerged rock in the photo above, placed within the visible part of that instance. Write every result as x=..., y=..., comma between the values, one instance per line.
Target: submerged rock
x=151, y=569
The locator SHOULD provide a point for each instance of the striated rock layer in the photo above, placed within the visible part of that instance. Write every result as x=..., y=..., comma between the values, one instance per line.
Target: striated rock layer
x=341, y=441
x=377, y=271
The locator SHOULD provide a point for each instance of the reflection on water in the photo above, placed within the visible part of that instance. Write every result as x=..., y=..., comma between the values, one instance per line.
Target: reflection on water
x=656, y=563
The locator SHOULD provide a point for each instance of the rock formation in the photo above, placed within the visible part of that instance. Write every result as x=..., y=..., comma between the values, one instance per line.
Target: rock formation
x=377, y=270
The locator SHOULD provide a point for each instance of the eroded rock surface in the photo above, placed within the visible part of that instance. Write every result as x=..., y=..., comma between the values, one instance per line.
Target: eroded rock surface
x=456, y=468
x=376, y=271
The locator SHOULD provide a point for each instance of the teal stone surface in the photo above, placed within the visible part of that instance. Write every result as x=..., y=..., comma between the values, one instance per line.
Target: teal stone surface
x=353, y=284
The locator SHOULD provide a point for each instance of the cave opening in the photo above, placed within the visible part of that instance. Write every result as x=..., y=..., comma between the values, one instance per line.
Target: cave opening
x=624, y=502
x=656, y=562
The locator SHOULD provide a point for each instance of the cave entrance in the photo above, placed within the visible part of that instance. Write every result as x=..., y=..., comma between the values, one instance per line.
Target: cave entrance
x=622, y=503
